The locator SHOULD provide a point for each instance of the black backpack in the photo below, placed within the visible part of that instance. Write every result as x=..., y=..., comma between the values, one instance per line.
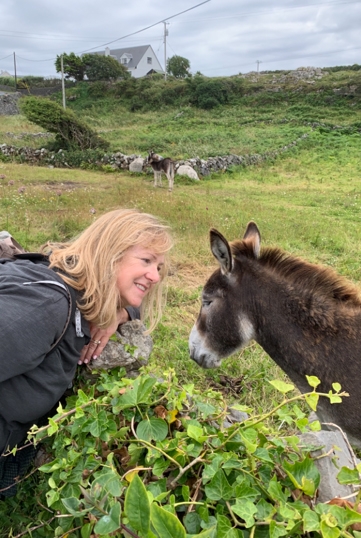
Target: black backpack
x=11, y=250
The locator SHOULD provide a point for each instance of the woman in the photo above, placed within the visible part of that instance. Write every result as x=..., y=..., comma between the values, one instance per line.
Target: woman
x=115, y=267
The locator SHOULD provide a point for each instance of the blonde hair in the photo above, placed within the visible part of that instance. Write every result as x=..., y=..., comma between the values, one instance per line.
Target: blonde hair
x=90, y=260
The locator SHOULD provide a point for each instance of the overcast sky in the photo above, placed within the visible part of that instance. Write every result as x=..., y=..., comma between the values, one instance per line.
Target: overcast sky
x=219, y=37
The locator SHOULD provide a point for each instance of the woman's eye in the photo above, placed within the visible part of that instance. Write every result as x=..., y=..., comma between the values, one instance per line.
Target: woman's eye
x=146, y=260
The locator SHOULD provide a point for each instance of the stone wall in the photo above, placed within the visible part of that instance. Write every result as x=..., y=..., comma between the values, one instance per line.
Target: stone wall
x=120, y=161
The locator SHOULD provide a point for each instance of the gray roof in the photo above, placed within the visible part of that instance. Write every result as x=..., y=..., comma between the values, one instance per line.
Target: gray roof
x=136, y=52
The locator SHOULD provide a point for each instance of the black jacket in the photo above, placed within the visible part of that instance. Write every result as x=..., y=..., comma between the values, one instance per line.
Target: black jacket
x=32, y=317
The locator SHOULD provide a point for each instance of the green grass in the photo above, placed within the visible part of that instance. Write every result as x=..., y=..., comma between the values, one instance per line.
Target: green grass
x=307, y=201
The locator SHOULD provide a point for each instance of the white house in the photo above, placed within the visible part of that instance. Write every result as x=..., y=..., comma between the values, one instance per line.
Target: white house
x=140, y=61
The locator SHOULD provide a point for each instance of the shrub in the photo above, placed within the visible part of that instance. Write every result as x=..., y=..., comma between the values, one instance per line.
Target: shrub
x=71, y=133
x=208, y=93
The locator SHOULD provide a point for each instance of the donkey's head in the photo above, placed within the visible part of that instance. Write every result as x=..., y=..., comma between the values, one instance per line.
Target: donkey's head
x=152, y=157
x=224, y=325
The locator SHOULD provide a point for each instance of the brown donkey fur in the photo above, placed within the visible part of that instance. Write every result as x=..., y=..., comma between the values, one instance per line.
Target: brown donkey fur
x=305, y=316
x=159, y=166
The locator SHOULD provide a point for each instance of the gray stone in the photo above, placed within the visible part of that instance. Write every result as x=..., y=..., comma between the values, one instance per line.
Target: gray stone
x=335, y=453
x=136, y=165
x=186, y=170
x=131, y=350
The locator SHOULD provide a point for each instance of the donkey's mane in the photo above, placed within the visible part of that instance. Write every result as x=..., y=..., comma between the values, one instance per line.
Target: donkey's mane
x=297, y=272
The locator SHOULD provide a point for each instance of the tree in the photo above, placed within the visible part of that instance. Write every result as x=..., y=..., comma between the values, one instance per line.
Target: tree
x=71, y=133
x=98, y=67
x=73, y=66
x=178, y=67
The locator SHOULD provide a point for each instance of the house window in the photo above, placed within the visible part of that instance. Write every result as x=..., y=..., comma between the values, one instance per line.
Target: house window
x=149, y=60
x=124, y=60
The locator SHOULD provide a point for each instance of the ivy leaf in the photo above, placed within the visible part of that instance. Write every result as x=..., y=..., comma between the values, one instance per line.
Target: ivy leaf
x=152, y=429
x=304, y=475
x=137, y=393
x=281, y=386
x=224, y=528
x=73, y=506
x=336, y=387
x=110, y=522
x=167, y=525
x=345, y=515
x=196, y=433
x=246, y=510
x=136, y=505
x=192, y=522
x=219, y=488
x=348, y=476
x=311, y=521
x=334, y=398
x=329, y=532
x=313, y=381
x=312, y=400
x=109, y=480
x=276, y=530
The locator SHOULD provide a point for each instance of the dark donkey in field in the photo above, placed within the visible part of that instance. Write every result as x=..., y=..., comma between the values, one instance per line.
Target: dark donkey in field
x=159, y=166
x=307, y=318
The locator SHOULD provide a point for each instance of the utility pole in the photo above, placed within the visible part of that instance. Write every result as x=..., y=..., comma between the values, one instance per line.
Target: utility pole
x=165, y=49
x=16, y=85
x=62, y=81
x=258, y=62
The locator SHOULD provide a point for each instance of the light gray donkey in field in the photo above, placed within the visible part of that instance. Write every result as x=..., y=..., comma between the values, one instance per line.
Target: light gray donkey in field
x=160, y=165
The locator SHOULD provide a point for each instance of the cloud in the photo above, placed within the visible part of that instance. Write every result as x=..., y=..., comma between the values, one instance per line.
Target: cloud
x=220, y=37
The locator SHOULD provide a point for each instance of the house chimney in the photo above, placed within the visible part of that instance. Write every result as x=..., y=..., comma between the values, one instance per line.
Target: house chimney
x=107, y=51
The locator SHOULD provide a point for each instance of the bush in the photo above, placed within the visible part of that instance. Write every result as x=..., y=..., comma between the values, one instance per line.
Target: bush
x=71, y=133
x=209, y=93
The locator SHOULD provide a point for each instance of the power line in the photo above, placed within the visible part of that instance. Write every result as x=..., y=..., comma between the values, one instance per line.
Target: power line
x=146, y=28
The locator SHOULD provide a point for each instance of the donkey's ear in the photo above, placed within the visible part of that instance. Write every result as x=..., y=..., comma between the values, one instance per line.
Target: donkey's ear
x=252, y=237
x=221, y=251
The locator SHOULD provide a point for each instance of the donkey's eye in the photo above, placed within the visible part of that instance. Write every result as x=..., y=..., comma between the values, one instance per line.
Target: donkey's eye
x=206, y=302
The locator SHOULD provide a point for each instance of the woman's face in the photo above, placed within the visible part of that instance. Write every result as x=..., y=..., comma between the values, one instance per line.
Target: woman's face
x=137, y=272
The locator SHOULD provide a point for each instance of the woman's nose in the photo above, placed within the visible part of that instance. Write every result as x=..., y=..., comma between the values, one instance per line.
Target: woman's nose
x=153, y=274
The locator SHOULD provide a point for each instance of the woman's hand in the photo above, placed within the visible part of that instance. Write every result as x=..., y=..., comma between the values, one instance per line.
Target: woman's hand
x=100, y=338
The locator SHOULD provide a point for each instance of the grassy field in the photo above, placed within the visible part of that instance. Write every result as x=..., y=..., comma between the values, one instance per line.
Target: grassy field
x=308, y=202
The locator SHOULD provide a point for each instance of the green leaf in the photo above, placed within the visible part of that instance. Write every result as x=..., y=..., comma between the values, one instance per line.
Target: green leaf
x=192, y=522
x=329, y=532
x=219, y=488
x=110, y=522
x=109, y=480
x=86, y=530
x=196, y=433
x=160, y=466
x=152, y=429
x=336, y=387
x=249, y=437
x=313, y=381
x=281, y=386
x=348, y=476
x=246, y=510
x=275, y=491
x=166, y=524
x=136, y=506
x=312, y=400
x=334, y=398
x=304, y=475
x=74, y=506
x=265, y=510
x=311, y=521
x=276, y=530
x=224, y=528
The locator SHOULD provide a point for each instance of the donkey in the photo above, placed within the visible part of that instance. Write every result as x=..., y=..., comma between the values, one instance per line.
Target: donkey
x=306, y=317
x=160, y=165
